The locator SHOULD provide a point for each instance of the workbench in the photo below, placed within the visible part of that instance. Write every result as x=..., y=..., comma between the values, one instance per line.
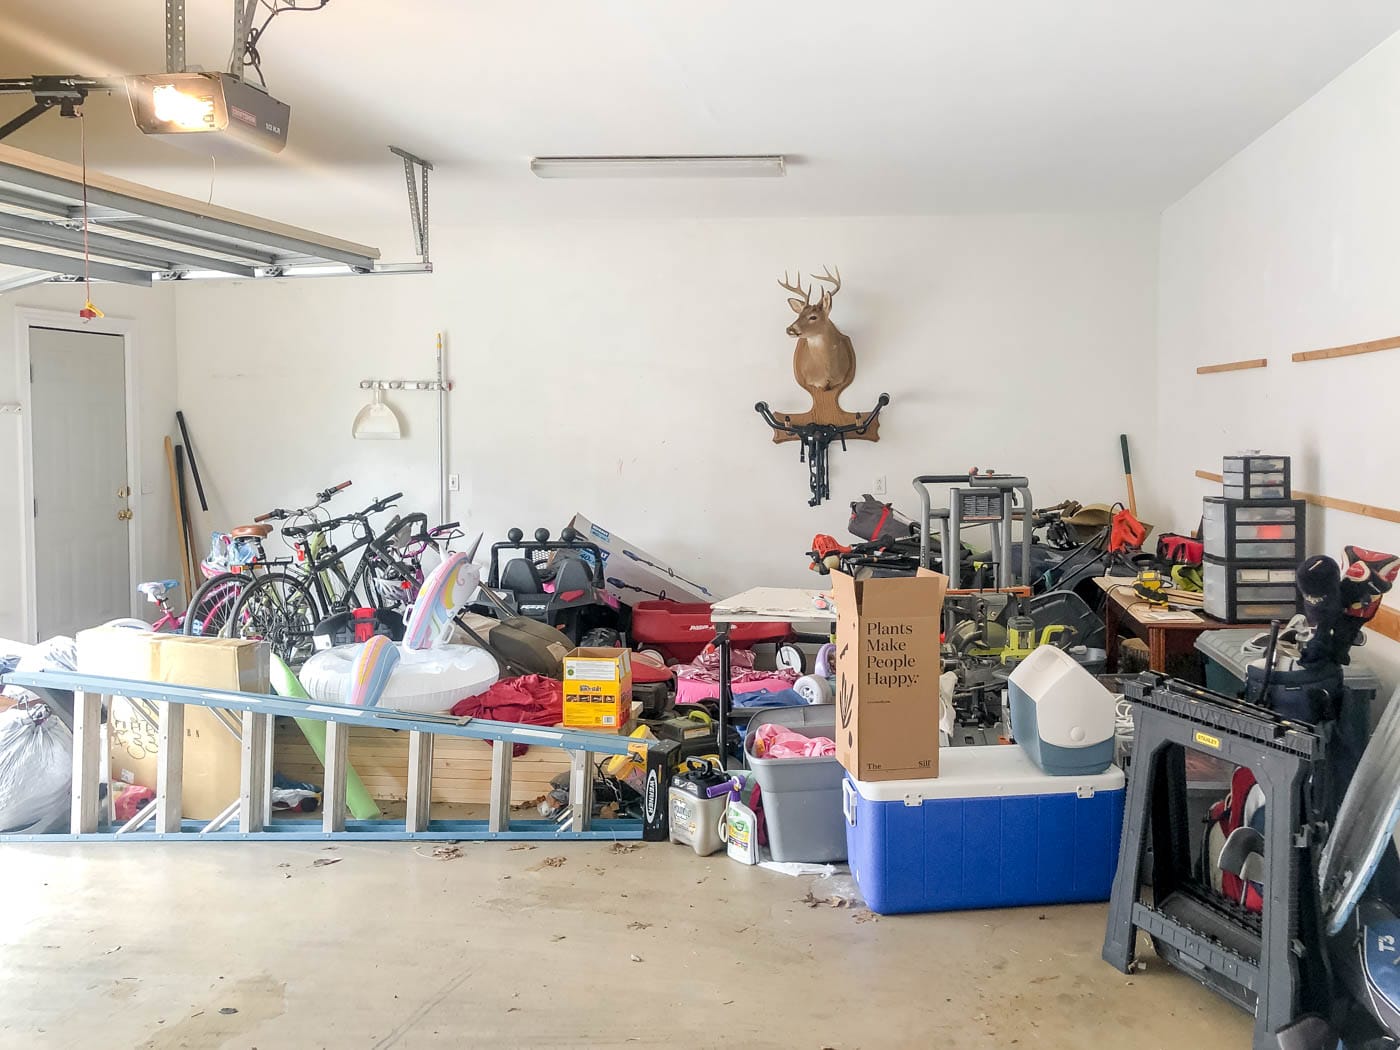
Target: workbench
x=761, y=605
x=1167, y=632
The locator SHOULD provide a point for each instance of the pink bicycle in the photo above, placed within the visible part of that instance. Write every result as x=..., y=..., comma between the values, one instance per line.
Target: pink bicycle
x=207, y=613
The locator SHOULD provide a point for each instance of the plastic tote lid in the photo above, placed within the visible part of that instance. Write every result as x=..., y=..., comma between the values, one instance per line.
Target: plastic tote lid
x=990, y=771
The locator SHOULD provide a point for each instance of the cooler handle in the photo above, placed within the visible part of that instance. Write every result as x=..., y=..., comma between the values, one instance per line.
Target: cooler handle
x=848, y=802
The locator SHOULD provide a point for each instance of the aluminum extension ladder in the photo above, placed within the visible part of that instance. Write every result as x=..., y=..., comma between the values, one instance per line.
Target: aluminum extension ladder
x=1262, y=963
x=253, y=807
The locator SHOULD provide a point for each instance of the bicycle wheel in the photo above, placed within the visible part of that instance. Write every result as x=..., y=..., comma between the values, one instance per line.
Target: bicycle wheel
x=280, y=609
x=211, y=607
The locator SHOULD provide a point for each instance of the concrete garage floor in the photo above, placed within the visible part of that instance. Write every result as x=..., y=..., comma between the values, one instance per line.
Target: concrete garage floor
x=155, y=946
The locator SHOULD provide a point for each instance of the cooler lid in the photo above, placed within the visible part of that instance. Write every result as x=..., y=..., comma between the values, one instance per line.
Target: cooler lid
x=990, y=771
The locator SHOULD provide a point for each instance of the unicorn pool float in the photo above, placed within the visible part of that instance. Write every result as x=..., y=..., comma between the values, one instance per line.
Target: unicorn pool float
x=425, y=673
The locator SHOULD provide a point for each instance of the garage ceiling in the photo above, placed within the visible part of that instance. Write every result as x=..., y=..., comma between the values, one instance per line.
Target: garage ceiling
x=940, y=106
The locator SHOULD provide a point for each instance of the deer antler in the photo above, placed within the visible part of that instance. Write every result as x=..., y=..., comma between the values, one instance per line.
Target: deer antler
x=797, y=289
x=826, y=276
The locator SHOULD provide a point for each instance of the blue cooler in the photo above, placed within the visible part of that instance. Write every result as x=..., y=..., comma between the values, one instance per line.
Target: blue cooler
x=990, y=831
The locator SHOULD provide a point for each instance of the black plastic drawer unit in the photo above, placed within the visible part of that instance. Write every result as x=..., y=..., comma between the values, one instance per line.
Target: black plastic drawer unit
x=1250, y=593
x=1254, y=530
x=1257, y=477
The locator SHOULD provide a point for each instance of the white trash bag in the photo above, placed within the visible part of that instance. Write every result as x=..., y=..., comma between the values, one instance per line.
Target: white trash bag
x=36, y=771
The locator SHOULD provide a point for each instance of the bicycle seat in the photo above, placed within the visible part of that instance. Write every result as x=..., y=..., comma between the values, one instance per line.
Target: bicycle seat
x=260, y=532
x=157, y=589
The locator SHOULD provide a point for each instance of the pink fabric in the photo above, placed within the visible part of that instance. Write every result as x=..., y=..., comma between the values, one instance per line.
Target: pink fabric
x=700, y=680
x=773, y=741
x=693, y=690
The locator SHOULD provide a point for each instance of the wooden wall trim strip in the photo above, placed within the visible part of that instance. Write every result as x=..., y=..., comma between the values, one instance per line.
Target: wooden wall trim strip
x=1352, y=350
x=1347, y=506
x=1233, y=366
x=1387, y=623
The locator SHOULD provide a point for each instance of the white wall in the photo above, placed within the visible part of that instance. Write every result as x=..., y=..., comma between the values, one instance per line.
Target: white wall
x=613, y=370
x=1292, y=246
x=152, y=313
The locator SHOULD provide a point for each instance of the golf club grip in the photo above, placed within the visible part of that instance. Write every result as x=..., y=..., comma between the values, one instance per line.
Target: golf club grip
x=1127, y=461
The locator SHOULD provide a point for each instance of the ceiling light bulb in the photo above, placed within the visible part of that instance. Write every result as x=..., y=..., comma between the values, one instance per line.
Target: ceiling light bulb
x=173, y=106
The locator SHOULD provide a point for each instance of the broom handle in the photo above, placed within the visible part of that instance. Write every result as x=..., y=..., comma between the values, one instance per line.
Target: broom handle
x=1128, y=474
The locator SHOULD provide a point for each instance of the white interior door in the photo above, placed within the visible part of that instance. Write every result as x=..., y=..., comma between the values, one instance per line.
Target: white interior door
x=81, y=522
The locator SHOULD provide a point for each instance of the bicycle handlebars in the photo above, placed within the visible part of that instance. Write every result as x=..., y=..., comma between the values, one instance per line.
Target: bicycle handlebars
x=383, y=504
x=281, y=513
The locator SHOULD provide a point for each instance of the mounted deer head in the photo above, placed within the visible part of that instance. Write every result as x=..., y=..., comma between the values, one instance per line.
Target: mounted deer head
x=811, y=317
x=823, y=359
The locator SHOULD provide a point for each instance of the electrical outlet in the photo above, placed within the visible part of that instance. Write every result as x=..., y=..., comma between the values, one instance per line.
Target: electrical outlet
x=878, y=489
x=454, y=483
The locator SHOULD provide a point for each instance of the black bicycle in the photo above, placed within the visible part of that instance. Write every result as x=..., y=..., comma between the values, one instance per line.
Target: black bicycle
x=284, y=607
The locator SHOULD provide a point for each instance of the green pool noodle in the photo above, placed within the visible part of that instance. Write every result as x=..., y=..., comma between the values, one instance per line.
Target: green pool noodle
x=357, y=799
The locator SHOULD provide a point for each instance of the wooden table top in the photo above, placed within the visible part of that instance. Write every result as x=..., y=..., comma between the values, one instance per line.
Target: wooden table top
x=1119, y=590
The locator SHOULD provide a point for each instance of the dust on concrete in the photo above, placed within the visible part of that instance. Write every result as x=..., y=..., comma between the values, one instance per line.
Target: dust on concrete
x=255, y=1000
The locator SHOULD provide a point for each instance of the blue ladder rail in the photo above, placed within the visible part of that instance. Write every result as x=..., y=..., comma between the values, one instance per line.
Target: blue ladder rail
x=253, y=807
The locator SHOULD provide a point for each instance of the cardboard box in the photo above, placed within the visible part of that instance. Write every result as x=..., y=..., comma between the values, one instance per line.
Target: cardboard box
x=632, y=574
x=117, y=652
x=597, y=688
x=213, y=757
x=887, y=667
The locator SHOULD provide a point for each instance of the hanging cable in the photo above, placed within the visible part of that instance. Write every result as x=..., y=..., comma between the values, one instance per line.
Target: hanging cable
x=251, y=56
x=89, y=311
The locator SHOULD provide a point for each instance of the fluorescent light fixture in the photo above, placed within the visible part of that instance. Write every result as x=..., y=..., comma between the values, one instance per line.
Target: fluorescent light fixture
x=754, y=167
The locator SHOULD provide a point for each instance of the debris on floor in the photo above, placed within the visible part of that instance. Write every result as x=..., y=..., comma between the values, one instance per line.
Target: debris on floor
x=549, y=862
x=625, y=847
x=451, y=851
x=832, y=901
x=321, y=862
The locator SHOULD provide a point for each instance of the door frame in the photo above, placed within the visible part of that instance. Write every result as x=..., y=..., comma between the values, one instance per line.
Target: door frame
x=127, y=328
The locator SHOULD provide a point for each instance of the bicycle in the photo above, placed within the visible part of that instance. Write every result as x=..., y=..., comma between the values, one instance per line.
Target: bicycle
x=210, y=607
x=284, y=607
x=419, y=551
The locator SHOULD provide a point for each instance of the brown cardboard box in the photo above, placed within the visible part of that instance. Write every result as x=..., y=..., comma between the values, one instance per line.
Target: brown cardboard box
x=212, y=754
x=597, y=688
x=887, y=667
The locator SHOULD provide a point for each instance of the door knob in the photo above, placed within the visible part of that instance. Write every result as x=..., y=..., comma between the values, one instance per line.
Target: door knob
x=124, y=515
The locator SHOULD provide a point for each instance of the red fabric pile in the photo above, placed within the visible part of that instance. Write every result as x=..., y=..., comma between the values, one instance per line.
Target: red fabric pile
x=531, y=699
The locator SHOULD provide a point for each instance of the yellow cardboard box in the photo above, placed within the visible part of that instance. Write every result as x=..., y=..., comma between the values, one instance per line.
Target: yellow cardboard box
x=597, y=688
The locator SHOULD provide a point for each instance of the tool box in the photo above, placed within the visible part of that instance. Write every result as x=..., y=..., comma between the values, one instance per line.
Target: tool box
x=1254, y=530
x=992, y=831
x=695, y=736
x=1250, y=592
x=1257, y=477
